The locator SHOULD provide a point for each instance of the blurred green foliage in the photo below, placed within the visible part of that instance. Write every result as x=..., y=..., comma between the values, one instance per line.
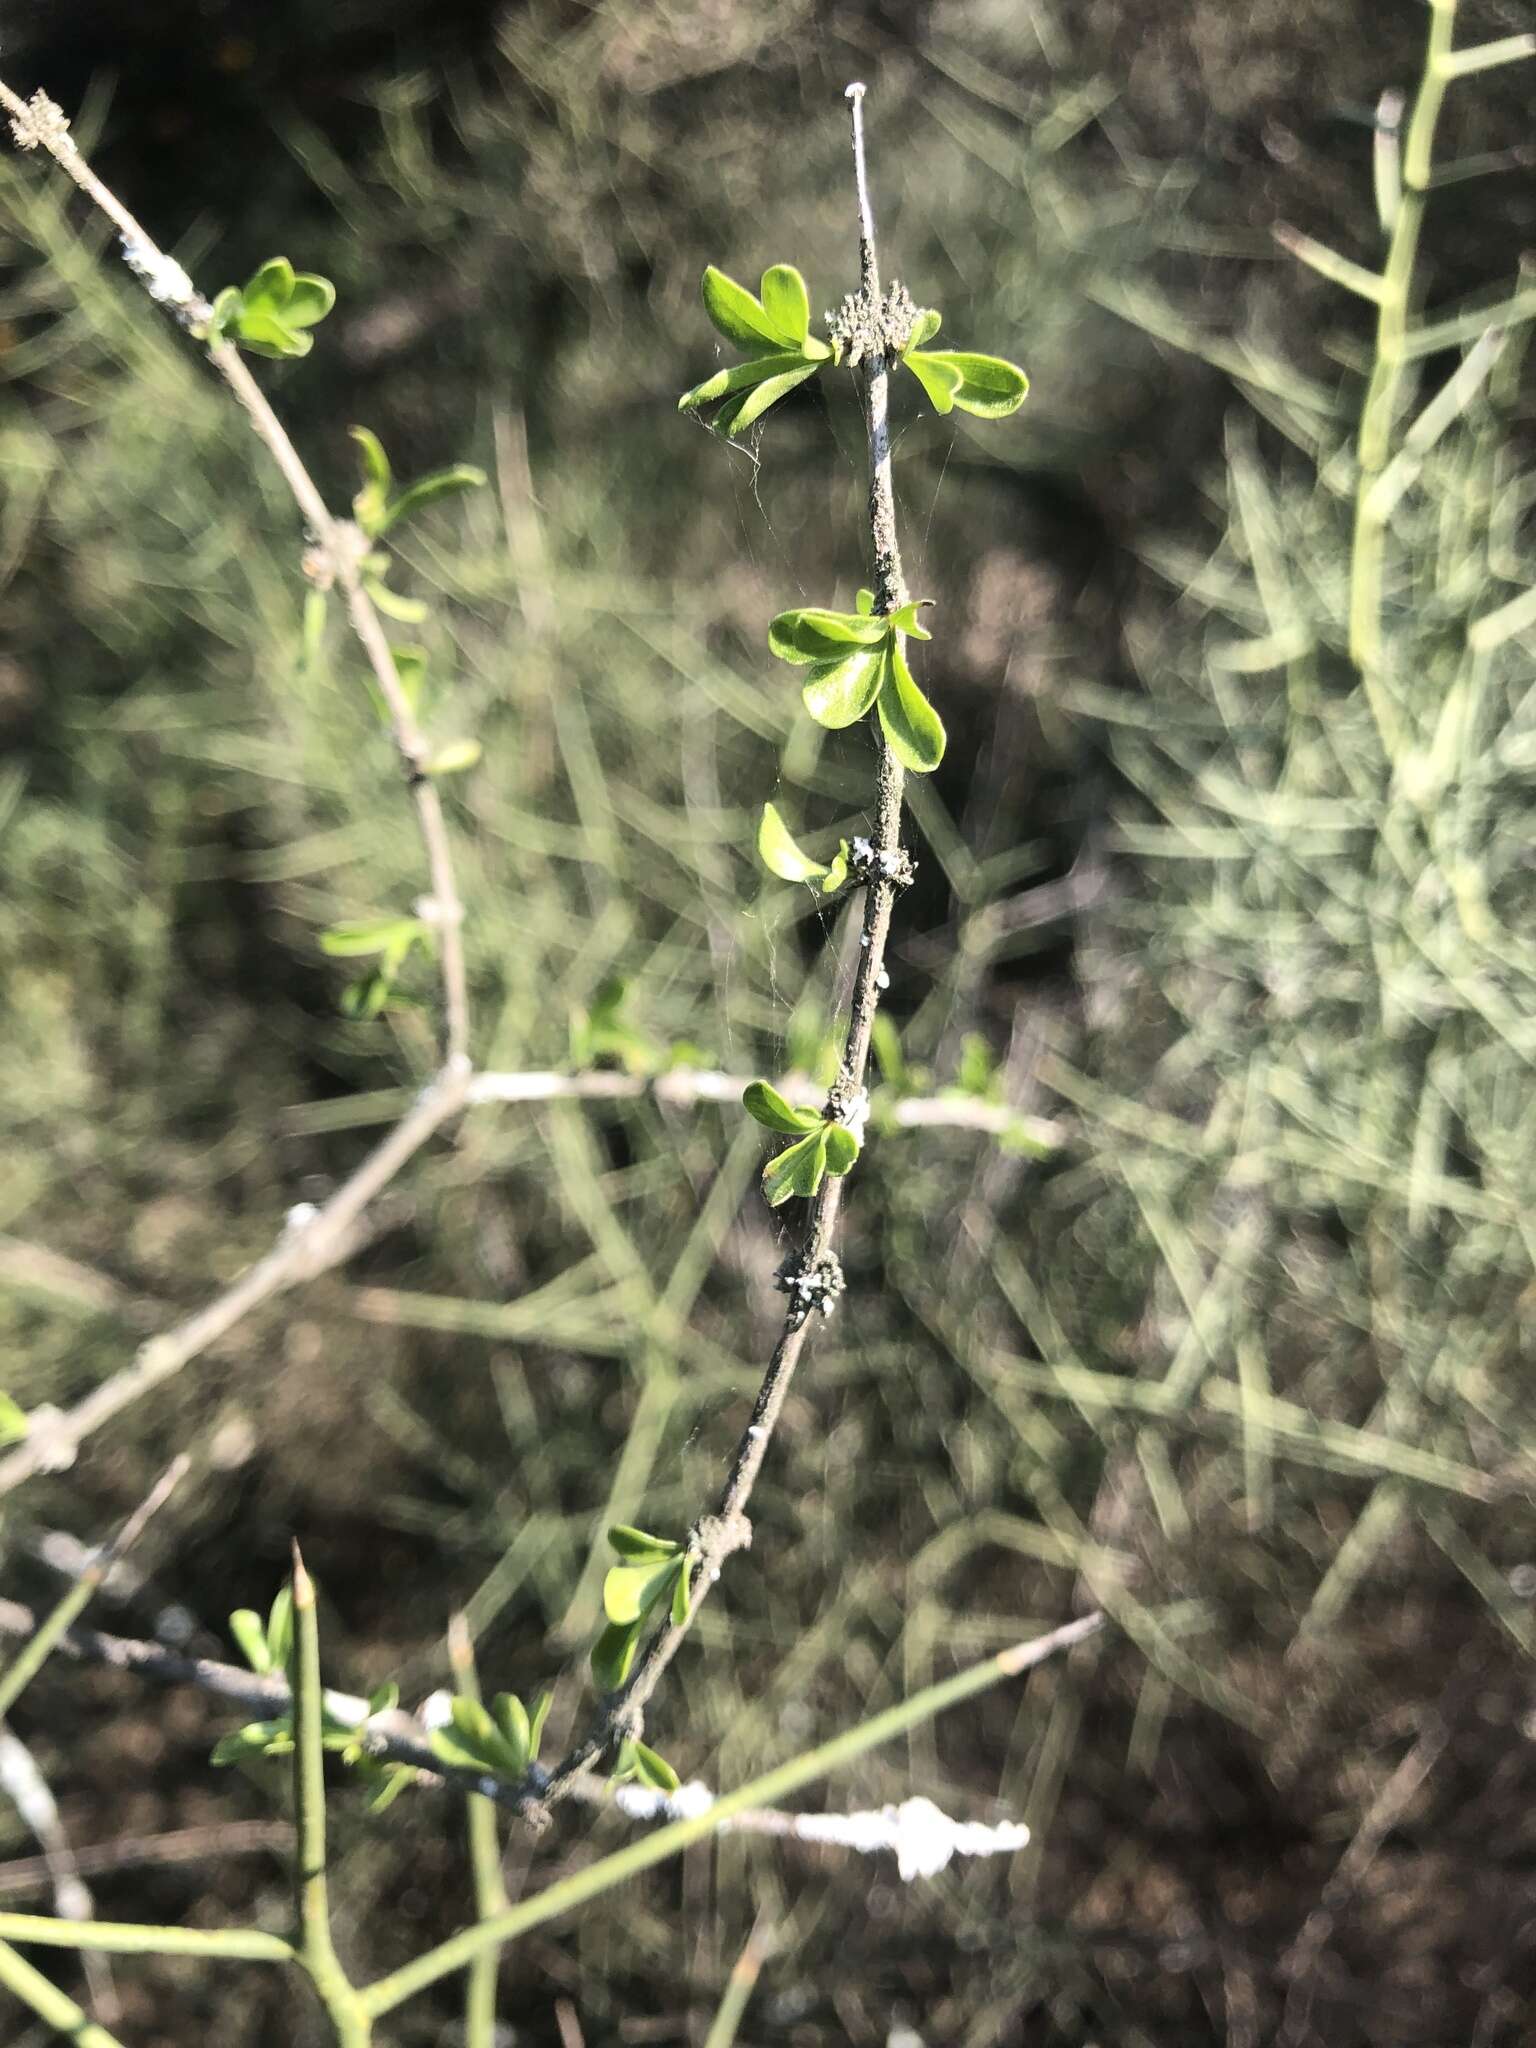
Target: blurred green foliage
x=1245, y=1365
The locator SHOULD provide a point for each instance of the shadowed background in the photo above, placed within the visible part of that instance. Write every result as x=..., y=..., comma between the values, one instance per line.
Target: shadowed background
x=1244, y=1355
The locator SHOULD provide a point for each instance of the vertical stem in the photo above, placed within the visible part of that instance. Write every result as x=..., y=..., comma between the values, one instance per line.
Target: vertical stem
x=484, y=1860
x=1383, y=396
x=728, y=1530
x=312, y=1903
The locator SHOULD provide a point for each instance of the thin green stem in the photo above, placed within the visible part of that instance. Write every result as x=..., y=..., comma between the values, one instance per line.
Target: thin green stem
x=484, y=1861
x=598, y=1878
x=129, y=1938
x=1384, y=392
x=740, y=1985
x=52, y=2006
x=317, y=1951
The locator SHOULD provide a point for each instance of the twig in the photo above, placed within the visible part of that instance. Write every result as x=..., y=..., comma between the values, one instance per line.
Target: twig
x=338, y=551
x=312, y=1241
x=19, y=1675
x=133, y=1852
x=681, y=1087
x=741, y=1983
x=598, y=1878
x=727, y=1530
x=339, y=545
x=400, y=1738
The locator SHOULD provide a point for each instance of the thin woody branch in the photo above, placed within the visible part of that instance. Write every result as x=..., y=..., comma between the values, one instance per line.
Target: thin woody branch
x=338, y=547
x=814, y=1276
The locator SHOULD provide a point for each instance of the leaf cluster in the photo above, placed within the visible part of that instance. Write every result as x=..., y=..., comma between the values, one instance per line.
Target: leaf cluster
x=651, y=1570
x=821, y=1146
x=773, y=332
x=857, y=662
x=271, y=314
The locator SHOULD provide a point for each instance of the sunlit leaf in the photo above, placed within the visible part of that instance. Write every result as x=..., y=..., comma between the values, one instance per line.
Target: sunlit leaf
x=250, y=1634
x=936, y=377
x=809, y=633
x=636, y=1546
x=654, y=1770
x=682, y=1599
x=271, y=286
x=838, y=693
x=798, y=1170
x=613, y=1654
x=357, y=937
x=511, y=1718
x=737, y=315
x=778, y=852
x=842, y=1148
x=924, y=328
x=630, y=1591
x=280, y=1628
x=770, y=1109
x=786, y=302
x=906, y=618
x=540, y=1715
x=454, y=757
x=740, y=413
x=864, y=603
x=988, y=387
x=443, y=483
x=913, y=729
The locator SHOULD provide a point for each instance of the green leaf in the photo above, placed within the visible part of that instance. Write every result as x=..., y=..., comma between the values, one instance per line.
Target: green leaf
x=540, y=1715
x=384, y=1698
x=369, y=504
x=256, y=1738
x=913, y=729
x=798, y=1170
x=227, y=308
x=977, y=1071
x=392, y=1781
x=613, y=1654
x=905, y=618
x=271, y=286
x=738, y=414
x=654, y=1770
x=280, y=1628
x=924, y=328
x=443, y=483
x=630, y=1591
x=810, y=634
x=356, y=938
x=837, y=874
x=682, y=1598
x=936, y=377
x=451, y=1751
x=13, y=1421
x=454, y=757
x=473, y=1725
x=409, y=611
x=988, y=387
x=264, y=334
x=842, y=1148
x=637, y=1547
x=786, y=302
x=366, y=999
x=309, y=301
x=864, y=603
x=511, y=1718
x=739, y=377
x=777, y=851
x=770, y=1109
x=737, y=315
x=249, y=1632
x=838, y=693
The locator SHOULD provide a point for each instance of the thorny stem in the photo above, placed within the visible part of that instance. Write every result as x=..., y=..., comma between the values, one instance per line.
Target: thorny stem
x=727, y=1530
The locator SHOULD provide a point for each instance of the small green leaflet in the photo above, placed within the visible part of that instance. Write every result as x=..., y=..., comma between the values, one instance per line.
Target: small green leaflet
x=800, y=1168
x=377, y=507
x=857, y=661
x=772, y=331
x=770, y=1109
x=271, y=314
